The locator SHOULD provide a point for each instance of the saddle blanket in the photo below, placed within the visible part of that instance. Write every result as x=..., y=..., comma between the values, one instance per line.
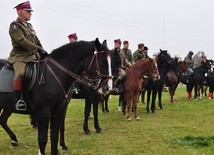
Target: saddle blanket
x=7, y=75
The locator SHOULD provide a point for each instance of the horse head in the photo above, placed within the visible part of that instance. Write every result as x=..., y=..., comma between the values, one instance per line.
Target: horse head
x=183, y=66
x=153, y=70
x=97, y=68
x=206, y=65
x=164, y=57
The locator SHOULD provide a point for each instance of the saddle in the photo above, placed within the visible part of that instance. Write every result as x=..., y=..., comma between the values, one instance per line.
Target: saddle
x=7, y=75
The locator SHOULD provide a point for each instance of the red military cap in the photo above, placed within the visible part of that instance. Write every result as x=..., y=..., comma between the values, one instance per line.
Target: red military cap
x=117, y=41
x=24, y=6
x=74, y=35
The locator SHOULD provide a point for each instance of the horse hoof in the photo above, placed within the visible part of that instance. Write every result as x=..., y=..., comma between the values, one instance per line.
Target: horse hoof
x=87, y=132
x=64, y=147
x=99, y=131
x=129, y=119
x=137, y=118
x=14, y=143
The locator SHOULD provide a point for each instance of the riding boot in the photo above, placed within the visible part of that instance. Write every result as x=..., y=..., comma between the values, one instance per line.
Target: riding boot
x=116, y=85
x=20, y=104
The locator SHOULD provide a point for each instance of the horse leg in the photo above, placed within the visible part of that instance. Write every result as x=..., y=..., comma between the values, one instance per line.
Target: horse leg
x=102, y=100
x=106, y=102
x=120, y=102
x=134, y=105
x=171, y=92
x=3, y=121
x=43, y=121
x=33, y=121
x=148, y=100
x=123, y=104
x=196, y=91
x=87, y=111
x=143, y=95
x=154, y=95
x=95, y=111
x=160, y=96
x=55, y=123
x=62, y=132
x=128, y=98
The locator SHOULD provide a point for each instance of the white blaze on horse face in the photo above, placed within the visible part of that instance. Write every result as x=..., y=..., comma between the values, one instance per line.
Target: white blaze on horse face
x=110, y=82
x=158, y=75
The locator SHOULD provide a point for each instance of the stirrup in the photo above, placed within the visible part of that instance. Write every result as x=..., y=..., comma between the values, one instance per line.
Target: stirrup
x=115, y=90
x=74, y=90
x=21, y=105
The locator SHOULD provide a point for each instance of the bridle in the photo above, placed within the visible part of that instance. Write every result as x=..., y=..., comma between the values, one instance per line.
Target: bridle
x=83, y=78
x=149, y=73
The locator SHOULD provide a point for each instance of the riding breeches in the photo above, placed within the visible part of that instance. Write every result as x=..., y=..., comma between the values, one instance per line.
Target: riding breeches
x=189, y=71
x=121, y=74
x=19, y=68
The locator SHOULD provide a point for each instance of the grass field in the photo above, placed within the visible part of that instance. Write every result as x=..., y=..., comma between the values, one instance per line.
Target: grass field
x=185, y=127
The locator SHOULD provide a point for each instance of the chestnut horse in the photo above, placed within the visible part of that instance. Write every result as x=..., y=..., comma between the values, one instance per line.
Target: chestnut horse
x=133, y=83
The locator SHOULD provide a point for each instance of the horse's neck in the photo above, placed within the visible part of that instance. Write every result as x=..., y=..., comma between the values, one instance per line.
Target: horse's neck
x=140, y=70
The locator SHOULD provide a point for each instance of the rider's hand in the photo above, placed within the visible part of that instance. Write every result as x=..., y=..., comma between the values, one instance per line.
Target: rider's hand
x=43, y=52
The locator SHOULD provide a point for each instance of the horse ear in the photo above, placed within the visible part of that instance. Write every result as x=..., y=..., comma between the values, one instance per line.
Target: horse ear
x=97, y=43
x=161, y=50
x=105, y=42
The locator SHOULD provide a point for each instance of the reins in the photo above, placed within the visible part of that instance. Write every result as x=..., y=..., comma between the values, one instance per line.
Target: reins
x=94, y=84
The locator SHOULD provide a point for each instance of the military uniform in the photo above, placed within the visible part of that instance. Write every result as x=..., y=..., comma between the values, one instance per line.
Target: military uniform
x=25, y=46
x=138, y=55
x=190, y=63
x=127, y=57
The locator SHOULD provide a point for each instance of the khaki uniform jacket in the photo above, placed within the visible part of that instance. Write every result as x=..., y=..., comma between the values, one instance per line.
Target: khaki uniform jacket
x=138, y=55
x=189, y=61
x=24, y=41
x=127, y=57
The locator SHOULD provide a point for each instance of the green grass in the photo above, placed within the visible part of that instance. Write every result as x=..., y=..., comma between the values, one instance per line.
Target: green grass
x=185, y=127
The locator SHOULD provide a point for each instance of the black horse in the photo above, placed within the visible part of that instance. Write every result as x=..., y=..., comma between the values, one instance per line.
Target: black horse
x=164, y=62
x=91, y=97
x=196, y=80
x=173, y=77
x=210, y=82
x=50, y=94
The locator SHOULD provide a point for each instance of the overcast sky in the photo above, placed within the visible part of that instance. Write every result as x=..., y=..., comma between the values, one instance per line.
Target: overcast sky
x=176, y=25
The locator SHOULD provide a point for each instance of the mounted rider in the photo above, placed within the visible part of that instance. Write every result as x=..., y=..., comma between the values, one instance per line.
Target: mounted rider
x=126, y=55
x=26, y=48
x=126, y=61
x=72, y=37
x=190, y=62
x=140, y=54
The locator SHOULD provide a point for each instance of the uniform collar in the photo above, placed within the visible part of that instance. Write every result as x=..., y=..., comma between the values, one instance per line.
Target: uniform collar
x=23, y=22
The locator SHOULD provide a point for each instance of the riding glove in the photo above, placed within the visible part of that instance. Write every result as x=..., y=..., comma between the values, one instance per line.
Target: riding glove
x=43, y=52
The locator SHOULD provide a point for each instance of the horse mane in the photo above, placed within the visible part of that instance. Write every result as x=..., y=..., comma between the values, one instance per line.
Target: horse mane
x=74, y=49
x=139, y=63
